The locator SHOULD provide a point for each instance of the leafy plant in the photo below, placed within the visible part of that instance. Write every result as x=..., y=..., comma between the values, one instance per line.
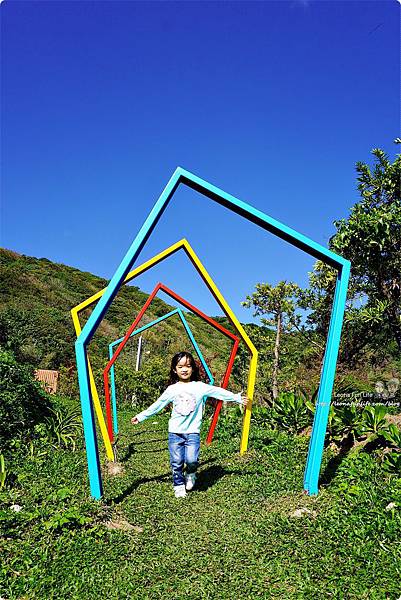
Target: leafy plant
x=289, y=411
x=393, y=436
x=348, y=421
x=373, y=420
x=343, y=423
x=63, y=426
x=392, y=460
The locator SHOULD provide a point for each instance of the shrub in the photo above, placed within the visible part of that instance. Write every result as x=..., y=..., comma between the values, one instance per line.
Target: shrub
x=142, y=387
x=23, y=402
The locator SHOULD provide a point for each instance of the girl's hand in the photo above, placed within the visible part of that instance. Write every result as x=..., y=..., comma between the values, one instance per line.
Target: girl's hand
x=245, y=400
x=134, y=421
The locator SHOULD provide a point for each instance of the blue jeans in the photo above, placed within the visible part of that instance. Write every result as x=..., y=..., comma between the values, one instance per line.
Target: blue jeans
x=184, y=449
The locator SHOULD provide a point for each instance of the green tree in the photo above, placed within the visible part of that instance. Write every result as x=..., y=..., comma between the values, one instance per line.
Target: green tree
x=277, y=305
x=371, y=239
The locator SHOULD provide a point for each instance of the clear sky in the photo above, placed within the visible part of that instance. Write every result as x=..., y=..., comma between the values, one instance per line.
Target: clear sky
x=273, y=102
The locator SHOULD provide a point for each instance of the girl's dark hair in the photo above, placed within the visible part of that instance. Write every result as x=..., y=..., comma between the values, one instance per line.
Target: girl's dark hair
x=173, y=378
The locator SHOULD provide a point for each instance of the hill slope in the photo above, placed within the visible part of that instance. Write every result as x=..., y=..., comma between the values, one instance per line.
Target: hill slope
x=35, y=323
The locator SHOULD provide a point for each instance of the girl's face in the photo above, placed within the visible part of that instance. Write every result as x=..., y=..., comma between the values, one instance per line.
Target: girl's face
x=184, y=369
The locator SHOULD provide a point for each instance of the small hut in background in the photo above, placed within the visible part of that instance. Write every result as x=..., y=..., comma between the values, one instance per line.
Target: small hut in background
x=48, y=379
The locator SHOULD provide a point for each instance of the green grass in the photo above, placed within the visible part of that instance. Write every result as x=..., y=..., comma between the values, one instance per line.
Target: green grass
x=233, y=537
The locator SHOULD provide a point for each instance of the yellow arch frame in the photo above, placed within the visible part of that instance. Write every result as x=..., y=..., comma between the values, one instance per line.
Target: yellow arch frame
x=184, y=244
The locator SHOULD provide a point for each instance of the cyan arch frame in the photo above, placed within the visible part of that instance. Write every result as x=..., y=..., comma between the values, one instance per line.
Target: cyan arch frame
x=342, y=266
x=176, y=311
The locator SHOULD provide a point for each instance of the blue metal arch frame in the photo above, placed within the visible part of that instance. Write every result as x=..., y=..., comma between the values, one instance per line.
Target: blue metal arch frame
x=254, y=215
x=176, y=311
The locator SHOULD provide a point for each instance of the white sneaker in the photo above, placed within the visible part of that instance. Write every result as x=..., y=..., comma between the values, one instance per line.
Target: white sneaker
x=179, y=491
x=190, y=481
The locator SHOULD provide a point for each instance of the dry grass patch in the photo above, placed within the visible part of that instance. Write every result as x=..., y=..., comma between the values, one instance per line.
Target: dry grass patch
x=297, y=504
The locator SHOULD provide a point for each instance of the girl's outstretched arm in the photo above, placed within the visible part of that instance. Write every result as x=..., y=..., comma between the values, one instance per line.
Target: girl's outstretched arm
x=154, y=408
x=222, y=394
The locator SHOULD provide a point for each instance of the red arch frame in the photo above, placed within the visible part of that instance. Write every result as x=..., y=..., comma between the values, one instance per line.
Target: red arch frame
x=133, y=326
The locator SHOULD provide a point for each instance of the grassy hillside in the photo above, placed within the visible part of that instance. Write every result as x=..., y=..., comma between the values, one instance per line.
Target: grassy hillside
x=36, y=296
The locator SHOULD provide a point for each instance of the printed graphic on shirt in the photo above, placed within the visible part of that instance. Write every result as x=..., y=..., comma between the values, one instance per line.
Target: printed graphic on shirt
x=185, y=403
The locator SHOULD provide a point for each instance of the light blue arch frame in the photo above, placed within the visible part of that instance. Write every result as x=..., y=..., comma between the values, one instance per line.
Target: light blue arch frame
x=319, y=252
x=176, y=311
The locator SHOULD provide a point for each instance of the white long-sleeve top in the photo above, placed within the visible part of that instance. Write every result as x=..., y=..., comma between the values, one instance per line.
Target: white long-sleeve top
x=188, y=404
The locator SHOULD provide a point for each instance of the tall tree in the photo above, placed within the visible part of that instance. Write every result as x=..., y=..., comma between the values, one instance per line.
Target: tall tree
x=277, y=306
x=371, y=239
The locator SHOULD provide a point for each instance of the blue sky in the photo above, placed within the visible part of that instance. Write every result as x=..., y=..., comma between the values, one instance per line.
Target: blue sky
x=273, y=102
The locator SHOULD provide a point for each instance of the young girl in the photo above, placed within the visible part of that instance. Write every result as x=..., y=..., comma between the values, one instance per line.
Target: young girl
x=188, y=396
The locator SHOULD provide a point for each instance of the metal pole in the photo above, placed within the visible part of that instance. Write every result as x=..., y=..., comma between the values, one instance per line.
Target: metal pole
x=138, y=354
